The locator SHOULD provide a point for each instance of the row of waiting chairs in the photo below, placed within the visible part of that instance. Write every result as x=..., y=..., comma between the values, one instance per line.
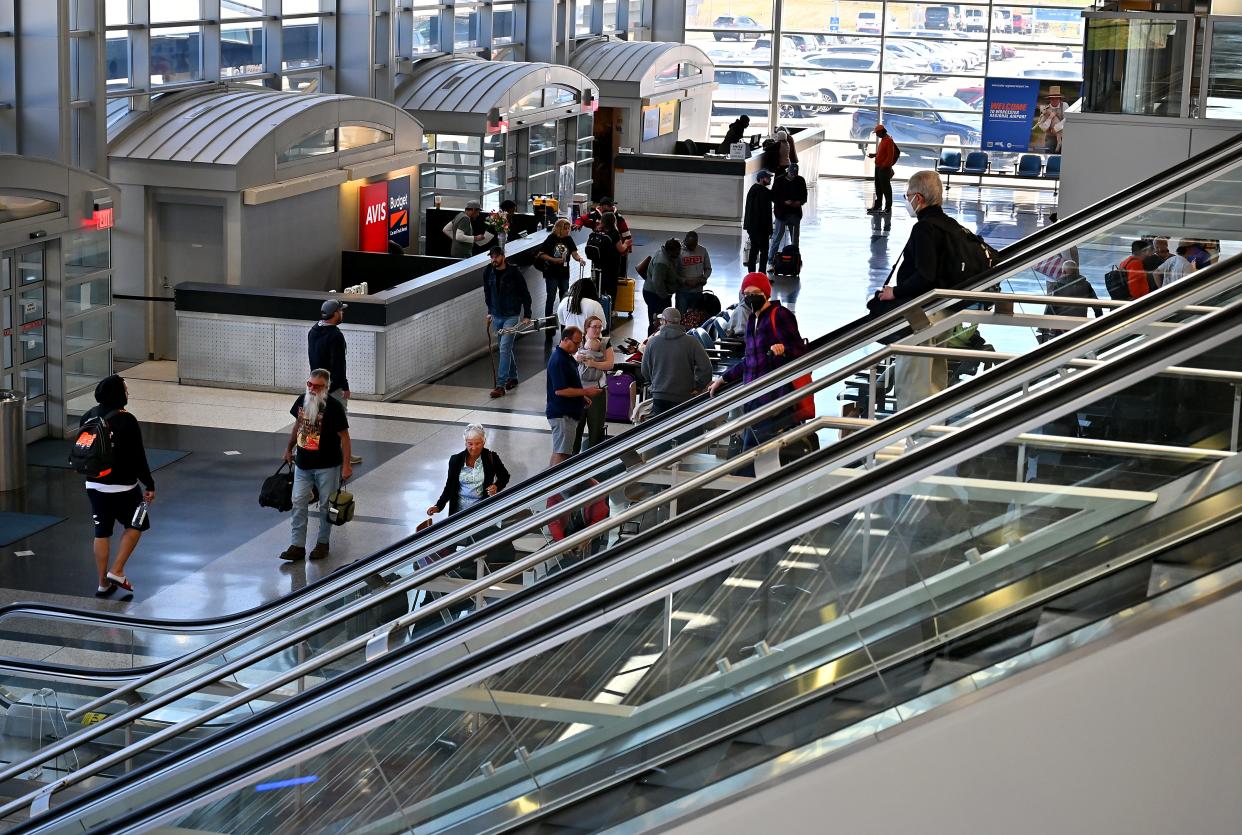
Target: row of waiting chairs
x=979, y=164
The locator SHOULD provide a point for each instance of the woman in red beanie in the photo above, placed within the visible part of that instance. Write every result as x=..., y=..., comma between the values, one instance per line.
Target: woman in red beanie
x=772, y=339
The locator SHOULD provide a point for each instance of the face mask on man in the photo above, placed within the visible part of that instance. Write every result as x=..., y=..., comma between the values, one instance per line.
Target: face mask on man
x=912, y=208
x=754, y=301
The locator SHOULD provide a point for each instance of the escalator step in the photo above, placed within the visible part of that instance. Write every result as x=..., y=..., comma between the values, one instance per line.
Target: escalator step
x=1166, y=576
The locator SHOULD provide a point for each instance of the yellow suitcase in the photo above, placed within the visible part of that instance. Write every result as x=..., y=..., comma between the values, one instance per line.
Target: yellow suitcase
x=624, y=302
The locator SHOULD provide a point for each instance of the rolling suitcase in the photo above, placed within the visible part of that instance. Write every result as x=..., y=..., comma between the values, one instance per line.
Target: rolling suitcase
x=788, y=262
x=622, y=392
x=605, y=301
x=624, y=300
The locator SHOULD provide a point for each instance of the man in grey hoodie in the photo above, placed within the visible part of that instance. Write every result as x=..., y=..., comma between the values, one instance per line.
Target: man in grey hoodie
x=694, y=268
x=675, y=364
x=663, y=281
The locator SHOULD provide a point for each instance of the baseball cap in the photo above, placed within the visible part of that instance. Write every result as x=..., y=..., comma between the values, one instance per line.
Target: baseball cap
x=878, y=128
x=329, y=308
x=473, y=204
x=763, y=173
x=671, y=316
x=605, y=201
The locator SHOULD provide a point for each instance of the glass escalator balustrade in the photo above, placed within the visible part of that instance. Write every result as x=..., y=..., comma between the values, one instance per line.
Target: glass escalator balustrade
x=868, y=618
x=536, y=540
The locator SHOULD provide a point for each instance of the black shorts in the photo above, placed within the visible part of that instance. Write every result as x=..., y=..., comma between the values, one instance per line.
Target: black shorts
x=110, y=508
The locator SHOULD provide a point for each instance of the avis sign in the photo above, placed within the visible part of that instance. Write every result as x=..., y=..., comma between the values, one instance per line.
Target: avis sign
x=384, y=215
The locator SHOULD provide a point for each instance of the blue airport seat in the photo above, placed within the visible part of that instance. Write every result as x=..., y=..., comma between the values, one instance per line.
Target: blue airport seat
x=1053, y=169
x=950, y=162
x=976, y=163
x=1029, y=165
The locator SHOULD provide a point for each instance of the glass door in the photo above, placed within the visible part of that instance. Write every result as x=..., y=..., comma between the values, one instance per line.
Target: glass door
x=23, y=298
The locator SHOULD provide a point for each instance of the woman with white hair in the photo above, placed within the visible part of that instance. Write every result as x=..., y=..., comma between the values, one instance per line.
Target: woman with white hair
x=473, y=474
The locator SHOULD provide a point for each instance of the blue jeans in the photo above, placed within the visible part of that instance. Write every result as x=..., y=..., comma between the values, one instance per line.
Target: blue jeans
x=778, y=235
x=326, y=481
x=508, y=363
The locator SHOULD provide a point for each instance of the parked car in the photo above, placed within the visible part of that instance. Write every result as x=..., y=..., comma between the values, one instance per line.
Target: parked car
x=790, y=44
x=741, y=90
x=1001, y=51
x=735, y=22
x=918, y=120
x=972, y=97
x=867, y=57
x=832, y=88
x=974, y=20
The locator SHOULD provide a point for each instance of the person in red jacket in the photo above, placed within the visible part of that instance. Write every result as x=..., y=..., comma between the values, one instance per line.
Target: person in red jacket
x=1136, y=274
x=885, y=157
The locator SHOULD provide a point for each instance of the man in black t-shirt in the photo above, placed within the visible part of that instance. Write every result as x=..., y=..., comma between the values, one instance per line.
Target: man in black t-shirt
x=319, y=449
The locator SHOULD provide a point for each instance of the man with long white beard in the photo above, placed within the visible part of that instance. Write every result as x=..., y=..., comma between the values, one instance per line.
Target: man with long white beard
x=320, y=437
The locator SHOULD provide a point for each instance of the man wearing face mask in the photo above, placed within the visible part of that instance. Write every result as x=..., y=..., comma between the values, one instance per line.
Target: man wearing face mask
x=319, y=449
x=772, y=340
x=926, y=263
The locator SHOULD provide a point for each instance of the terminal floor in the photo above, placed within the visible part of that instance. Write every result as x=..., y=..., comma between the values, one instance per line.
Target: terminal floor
x=212, y=550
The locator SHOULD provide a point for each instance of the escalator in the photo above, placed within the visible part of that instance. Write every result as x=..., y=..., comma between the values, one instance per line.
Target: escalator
x=346, y=627
x=508, y=717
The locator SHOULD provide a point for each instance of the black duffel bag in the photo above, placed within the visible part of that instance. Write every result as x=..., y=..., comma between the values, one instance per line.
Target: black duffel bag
x=277, y=489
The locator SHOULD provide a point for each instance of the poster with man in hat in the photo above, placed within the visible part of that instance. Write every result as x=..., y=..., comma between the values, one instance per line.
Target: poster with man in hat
x=1050, y=124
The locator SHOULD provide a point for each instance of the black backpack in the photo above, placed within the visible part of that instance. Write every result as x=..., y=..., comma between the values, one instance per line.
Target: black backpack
x=970, y=255
x=1117, y=281
x=597, y=244
x=93, y=454
x=896, y=152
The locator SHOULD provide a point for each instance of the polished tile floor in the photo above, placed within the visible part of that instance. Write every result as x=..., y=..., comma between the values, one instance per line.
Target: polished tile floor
x=212, y=549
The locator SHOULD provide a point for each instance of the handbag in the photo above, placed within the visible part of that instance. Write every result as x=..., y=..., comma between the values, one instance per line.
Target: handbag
x=643, y=266
x=341, y=506
x=277, y=490
x=804, y=409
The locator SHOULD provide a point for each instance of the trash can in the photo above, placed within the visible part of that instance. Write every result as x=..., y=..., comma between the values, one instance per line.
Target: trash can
x=12, y=440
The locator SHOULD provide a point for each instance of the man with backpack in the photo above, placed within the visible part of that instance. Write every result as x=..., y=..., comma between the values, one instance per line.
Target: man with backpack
x=939, y=254
x=788, y=198
x=108, y=450
x=885, y=156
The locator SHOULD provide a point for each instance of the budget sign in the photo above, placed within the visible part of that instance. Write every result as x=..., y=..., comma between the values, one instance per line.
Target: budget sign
x=399, y=211
x=1009, y=113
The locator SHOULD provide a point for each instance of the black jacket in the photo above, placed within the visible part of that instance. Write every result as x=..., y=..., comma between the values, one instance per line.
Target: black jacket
x=326, y=349
x=129, y=455
x=926, y=261
x=757, y=217
x=784, y=189
x=494, y=472
x=506, y=293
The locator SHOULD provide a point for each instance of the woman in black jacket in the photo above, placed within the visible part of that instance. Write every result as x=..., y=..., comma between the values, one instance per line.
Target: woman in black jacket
x=473, y=474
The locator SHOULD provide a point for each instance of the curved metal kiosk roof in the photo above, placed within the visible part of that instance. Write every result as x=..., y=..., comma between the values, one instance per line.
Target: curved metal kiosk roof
x=455, y=94
x=231, y=139
x=632, y=69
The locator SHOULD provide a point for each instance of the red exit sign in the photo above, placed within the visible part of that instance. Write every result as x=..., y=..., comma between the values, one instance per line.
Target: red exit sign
x=102, y=218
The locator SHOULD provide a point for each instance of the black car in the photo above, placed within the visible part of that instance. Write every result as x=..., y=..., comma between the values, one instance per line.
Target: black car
x=735, y=22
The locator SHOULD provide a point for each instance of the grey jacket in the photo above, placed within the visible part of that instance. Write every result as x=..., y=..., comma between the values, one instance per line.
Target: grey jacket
x=663, y=277
x=676, y=365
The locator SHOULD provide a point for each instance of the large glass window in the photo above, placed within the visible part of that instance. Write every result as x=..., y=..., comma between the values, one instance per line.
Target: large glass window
x=843, y=66
x=1137, y=65
x=1224, y=77
x=175, y=35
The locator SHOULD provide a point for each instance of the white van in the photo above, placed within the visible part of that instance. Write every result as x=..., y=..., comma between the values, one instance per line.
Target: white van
x=974, y=21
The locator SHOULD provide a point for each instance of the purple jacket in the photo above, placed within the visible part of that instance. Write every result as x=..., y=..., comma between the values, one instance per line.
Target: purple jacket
x=761, y=335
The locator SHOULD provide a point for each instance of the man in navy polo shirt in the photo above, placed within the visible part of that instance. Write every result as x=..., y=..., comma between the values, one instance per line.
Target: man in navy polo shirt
x=567, y=399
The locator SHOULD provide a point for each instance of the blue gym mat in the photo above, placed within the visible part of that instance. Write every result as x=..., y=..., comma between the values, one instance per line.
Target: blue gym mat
x=15, y=526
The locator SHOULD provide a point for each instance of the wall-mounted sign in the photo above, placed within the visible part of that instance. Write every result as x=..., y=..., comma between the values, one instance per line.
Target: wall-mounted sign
x=399, y=211
x=668, y=117
x=102, y=218
x=651, y=123
x=373, y=218
x=1026, y=114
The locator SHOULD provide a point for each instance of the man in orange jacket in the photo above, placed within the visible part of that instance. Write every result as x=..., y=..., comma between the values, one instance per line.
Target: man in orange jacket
x=1136, y=275
x=885, y=157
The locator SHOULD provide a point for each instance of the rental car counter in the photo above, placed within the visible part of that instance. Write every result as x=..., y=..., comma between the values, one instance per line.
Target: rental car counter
x=255, y=338
x=681, y=185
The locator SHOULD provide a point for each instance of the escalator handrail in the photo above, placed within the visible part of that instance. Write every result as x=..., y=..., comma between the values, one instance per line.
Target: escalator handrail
x=1057, y=236
x=921, y=462
x=971, y=436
